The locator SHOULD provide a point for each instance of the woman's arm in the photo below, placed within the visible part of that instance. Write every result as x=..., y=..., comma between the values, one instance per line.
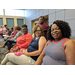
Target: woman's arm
x=42, y=42
x=70, y=52
x=40, y=58
x=17, y=35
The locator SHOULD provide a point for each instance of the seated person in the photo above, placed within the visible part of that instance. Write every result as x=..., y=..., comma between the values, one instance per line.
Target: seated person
x=13, y=33
x=7, y=31
x=22, y=41
x=7, y=34
x=1, y=31
x=9, y=41
x=30, y=54
x=6, y=26
x=4, y=30
x=59, y=50
x=10, y=31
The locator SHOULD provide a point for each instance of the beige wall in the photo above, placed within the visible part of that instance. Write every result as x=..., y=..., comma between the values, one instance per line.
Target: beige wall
x=15, y=19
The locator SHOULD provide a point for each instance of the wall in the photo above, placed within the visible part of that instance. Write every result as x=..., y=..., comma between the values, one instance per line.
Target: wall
x=15, y=19
x=54, y=14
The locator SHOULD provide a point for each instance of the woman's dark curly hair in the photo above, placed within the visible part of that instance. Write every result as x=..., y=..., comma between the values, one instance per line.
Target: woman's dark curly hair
x=64, y=27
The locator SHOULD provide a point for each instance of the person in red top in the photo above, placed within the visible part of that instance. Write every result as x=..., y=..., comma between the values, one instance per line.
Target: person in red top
x=44, y=25
x=22, y=41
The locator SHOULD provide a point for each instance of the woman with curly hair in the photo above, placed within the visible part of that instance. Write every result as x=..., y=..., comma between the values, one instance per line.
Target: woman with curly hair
x=59, y=49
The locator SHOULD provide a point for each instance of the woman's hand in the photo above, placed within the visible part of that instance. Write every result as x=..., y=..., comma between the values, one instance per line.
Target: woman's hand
x=25, y=52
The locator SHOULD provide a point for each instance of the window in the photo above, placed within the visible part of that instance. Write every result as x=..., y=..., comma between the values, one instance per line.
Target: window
x=1, y=12
x=10, y=21
x=13, y=12
x=10, y=12
x=20, y=21
x=20, y=13
x=1, y=21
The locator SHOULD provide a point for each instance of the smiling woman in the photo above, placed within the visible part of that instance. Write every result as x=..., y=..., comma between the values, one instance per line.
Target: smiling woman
x=38, y=30
x=59, y=49
x=22, y=41
x=61, y=25
x=56, y=32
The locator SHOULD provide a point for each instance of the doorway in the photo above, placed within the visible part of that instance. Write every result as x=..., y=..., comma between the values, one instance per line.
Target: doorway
x=37, y=20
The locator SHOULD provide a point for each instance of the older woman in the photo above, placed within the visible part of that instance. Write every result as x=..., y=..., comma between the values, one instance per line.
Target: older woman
x=30, y=54
x=59, y=50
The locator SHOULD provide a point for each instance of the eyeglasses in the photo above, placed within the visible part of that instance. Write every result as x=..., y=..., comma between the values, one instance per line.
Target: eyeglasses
x=37, y=30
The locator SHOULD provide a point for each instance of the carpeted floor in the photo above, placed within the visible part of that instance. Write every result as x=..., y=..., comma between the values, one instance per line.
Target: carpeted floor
x=2, y=50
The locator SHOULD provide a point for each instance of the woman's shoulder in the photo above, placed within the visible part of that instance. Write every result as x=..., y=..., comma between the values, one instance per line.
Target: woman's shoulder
x=19, y=32
x=28, y=33
x=69, y=41
x=42, y=38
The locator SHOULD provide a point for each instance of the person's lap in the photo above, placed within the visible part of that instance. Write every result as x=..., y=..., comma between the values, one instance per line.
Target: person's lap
x=20, y=60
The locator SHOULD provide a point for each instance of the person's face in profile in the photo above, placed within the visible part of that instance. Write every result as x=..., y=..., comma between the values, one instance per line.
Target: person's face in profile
x=25, y=30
